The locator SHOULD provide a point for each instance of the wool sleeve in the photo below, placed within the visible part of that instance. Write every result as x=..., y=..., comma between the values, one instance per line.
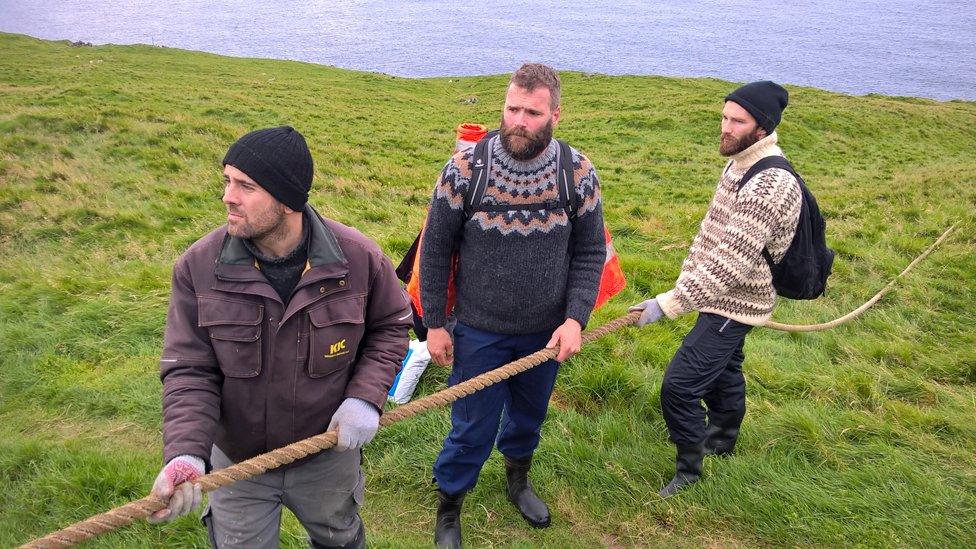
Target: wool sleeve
x=445, y=219
x=589, y=245
x=755, y=216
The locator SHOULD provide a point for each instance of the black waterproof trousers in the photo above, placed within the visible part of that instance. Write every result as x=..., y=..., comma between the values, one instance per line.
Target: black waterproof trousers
x=708, y=367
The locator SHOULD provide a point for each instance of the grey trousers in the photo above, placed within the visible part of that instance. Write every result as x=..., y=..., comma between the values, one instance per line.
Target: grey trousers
x=324, y=494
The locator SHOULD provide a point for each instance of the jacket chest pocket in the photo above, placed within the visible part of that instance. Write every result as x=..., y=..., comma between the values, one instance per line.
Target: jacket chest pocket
x=235, y=333
x=335, y=331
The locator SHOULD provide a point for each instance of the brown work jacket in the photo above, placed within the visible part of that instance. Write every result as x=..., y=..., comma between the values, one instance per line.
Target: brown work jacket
x=245, y=372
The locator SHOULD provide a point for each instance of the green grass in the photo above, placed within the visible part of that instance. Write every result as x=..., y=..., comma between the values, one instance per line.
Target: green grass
x=861, y=436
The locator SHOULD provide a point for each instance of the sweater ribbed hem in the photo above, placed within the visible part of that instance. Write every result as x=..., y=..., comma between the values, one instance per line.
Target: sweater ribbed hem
x=745, y=319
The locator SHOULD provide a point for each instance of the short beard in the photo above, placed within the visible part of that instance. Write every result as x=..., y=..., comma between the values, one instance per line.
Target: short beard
x=535, y=142
x=734, y=146
x=267, y=226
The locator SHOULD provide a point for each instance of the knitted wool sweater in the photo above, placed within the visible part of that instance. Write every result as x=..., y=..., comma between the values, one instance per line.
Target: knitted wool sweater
x=520, y=271
x=725, y=272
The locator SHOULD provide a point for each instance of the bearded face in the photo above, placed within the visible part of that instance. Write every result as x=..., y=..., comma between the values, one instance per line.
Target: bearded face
x=257, y=224
x=730, y=145
x=251, y=211
x=523, y=144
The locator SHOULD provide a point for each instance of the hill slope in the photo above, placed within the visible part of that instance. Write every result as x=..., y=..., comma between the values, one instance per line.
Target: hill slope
x=865, y=435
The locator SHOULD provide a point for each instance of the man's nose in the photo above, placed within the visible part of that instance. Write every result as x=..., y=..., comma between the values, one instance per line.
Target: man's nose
x=519, y=120
x=229, y=196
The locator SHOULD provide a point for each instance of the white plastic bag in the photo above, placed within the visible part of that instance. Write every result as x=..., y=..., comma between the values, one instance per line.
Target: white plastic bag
x=414, y=364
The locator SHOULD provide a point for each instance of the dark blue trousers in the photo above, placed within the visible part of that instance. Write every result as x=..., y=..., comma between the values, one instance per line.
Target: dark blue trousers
x=509, y=414
x=708, y=367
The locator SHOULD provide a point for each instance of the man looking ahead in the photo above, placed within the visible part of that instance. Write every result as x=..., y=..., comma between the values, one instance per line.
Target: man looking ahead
x=528, y=271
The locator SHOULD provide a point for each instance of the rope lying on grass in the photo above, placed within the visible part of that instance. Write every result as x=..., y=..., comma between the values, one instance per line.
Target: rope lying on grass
x=142, y=508
x=867, y=305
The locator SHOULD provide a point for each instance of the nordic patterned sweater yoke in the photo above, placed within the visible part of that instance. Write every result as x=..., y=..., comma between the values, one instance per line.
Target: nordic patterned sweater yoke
x=725, y=272
x=522, y=270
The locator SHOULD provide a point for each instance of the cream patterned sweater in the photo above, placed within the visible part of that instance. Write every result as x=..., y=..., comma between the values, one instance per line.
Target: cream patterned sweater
x=725, y=272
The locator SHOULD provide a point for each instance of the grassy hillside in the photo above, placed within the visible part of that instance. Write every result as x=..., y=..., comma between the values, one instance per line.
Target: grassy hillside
x=864, y=435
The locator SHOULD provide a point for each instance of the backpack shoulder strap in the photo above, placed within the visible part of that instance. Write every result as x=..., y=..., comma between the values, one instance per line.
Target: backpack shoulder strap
x=480, y=170
x=766, y=163
x=565, y=180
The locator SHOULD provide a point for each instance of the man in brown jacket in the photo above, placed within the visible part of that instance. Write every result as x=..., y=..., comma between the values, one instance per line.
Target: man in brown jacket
x=281, y=325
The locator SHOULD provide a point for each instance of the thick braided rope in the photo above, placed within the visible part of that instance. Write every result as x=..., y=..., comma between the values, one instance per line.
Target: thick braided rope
x=142, y=508
x=867, y=305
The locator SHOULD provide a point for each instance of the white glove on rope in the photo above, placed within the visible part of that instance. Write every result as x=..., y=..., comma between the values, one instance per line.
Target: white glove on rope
x=652, y=312
x=357, y=422
x=172, y=485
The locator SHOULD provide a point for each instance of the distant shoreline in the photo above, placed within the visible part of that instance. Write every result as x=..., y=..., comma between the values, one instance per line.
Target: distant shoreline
x=95, y=44
x=858, y=48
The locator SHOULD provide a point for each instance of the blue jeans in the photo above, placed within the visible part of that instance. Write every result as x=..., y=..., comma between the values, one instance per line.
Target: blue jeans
x=509, y=414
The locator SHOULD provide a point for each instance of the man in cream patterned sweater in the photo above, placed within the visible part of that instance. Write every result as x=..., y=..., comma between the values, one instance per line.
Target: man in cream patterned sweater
x=728, y=281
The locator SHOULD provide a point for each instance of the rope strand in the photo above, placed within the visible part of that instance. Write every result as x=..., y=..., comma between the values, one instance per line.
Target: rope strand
x=868, y=304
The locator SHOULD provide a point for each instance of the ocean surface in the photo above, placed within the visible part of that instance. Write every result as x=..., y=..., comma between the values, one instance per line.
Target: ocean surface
x=893, y=47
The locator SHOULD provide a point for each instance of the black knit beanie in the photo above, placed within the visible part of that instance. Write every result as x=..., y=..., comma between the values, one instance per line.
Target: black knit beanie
x=764, y=100
x=277, y=159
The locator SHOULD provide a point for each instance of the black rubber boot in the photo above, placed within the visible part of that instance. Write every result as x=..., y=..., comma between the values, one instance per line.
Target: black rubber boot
x=688, y=466
x=447, y=529
x=522, y=495
x=720, y=441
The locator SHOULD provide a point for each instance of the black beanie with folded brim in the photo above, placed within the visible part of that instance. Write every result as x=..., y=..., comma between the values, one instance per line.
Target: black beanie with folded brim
x=278, y=160
x=764, y=100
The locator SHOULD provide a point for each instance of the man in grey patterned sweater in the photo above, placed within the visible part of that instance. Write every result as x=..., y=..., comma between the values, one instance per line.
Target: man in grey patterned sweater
x=527, y=278
x=728, y=281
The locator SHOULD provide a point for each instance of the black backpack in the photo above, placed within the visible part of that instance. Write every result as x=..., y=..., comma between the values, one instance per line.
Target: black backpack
x=803, y=271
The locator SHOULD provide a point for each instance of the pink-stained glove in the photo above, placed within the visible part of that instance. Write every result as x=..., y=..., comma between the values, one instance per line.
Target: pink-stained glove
x=173, y=486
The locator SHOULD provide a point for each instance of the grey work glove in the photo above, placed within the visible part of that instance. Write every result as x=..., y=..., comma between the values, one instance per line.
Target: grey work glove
x=357, y=422
x=173, y=486
x=651, y=312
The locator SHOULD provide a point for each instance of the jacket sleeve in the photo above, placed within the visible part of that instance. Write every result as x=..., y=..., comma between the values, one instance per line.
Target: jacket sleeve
x=589, y=247
x=386, y=336
x=190, y=374
x=444, y=221
x=753, y=219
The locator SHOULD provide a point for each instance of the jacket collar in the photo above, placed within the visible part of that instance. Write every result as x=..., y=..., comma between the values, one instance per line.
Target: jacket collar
x=236, y=262
x=323, y=248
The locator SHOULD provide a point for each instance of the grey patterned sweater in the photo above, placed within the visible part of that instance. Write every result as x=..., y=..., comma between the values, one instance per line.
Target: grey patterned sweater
x=725, y=272
x=520, y=271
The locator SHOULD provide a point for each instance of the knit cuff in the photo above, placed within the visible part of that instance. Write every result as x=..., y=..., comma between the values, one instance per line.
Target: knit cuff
x=579, y=314
x=434, y=320
x=670, y=304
